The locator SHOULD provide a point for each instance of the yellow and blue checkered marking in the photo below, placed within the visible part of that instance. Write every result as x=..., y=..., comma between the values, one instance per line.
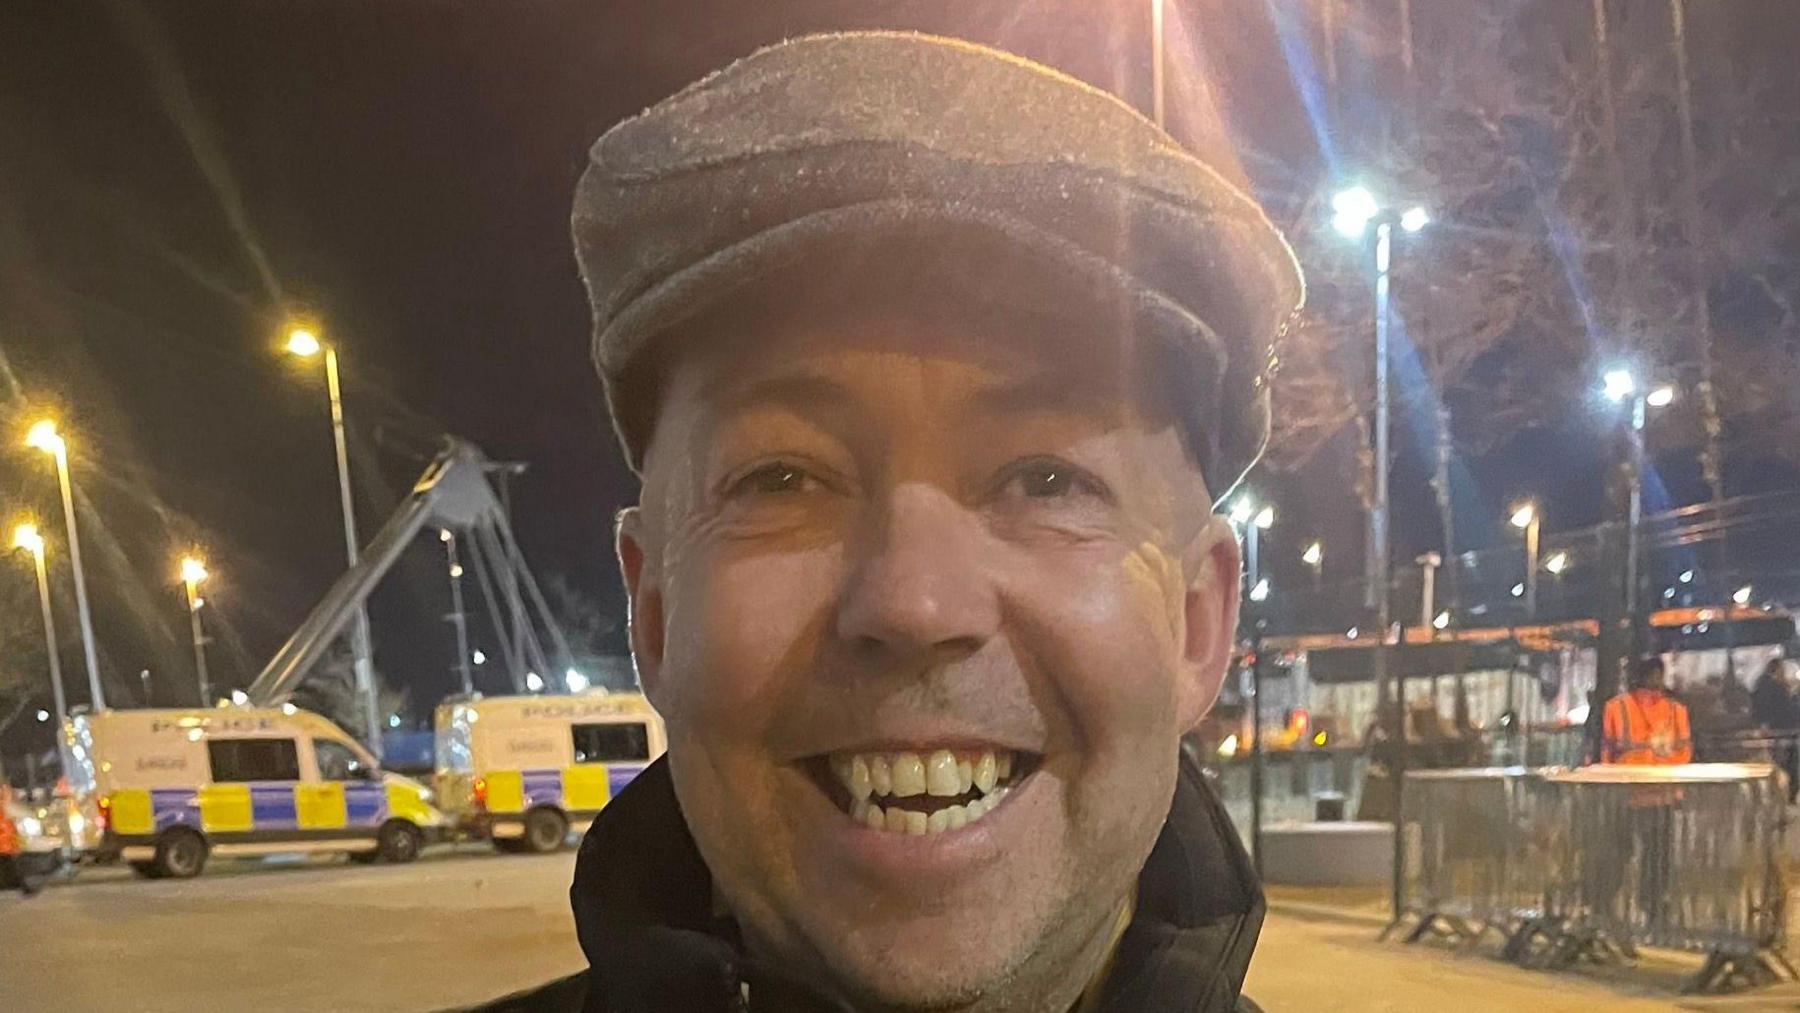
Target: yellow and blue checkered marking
x=583, y=787
x=253, y=807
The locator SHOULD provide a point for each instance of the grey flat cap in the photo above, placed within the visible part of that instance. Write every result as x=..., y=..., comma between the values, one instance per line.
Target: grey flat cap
x=874, y=137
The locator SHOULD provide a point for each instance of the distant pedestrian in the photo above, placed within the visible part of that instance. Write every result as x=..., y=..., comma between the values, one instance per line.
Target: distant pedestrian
x=1774, y=708
x=1645, y=724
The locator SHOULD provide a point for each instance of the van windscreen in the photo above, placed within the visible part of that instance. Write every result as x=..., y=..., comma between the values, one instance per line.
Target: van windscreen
x=610, y=743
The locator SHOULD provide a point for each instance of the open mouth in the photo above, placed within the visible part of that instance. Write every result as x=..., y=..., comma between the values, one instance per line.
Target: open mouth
x=921, y=793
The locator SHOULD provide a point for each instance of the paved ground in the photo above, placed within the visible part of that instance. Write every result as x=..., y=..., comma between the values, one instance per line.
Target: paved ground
x=451, y=929
x=459, y=927
x=1318, y=955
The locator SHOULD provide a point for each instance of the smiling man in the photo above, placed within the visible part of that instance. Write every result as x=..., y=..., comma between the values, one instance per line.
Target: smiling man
x=933, y=362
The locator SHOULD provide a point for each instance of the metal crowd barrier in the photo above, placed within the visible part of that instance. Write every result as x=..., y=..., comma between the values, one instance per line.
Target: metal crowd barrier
x=1591, y=863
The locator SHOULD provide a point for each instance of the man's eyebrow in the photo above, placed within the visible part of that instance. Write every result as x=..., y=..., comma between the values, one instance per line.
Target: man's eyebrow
x=800, y=391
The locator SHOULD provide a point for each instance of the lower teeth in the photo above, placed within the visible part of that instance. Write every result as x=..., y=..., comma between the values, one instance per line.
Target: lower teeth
x=897, y=819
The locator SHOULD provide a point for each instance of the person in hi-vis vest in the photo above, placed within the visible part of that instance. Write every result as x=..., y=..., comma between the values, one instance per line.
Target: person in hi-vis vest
x=1646, y=724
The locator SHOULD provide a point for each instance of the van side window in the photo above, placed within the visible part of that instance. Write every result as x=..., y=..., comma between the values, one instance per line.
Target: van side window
x=611, y=742
x=337, y=762
x=253, y=759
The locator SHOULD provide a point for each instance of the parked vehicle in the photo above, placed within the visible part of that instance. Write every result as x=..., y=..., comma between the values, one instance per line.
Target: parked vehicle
x=525, y=770
x=173, y=787
x=31, y=847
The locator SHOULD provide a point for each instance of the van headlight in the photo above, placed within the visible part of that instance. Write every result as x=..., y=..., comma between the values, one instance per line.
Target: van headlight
x=30, y=826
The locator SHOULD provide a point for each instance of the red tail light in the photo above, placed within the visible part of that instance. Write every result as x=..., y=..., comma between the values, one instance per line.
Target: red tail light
x=105, y=813
x=479, y=793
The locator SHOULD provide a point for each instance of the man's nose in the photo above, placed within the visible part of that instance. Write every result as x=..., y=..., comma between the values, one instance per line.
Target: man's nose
x=920, y=590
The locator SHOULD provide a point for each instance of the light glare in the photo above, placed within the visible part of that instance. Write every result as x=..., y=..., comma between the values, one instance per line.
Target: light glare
x=1314, y=554
x=43, y=436
x=1619, y=384
x=1265, y=518
x=26, y=537
x=1661, y=397
x=1557, y=563
x=1414, y=219
x=1524, y=514
x=193, y=571
x=303, y=343
x=1742, y=595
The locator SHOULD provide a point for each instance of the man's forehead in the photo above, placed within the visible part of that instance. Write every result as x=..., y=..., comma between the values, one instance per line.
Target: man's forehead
x=989, y=366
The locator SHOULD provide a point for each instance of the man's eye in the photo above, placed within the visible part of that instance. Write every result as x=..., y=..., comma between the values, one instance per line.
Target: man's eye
x=772, y=479
x=1050, y=479
x=1043, y=482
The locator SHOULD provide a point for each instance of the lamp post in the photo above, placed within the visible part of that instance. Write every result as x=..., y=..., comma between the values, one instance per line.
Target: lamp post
x=43, y=436
x=458, y=617
x=1253, y=520
x=193, y=571
x=27, y=538
x=1352, y=212
x=1619, y=385
x=1528, y=519
x=305, y=344
x=1314, y=557
x=1156, y=62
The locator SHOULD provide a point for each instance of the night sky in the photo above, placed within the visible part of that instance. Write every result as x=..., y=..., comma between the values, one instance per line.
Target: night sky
x=177, y=179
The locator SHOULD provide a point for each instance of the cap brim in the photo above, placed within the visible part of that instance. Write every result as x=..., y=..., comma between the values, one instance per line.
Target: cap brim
x=940, y=251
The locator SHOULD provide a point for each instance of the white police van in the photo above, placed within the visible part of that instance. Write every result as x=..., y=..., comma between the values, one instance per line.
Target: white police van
x=525, y=770
x=175, y=786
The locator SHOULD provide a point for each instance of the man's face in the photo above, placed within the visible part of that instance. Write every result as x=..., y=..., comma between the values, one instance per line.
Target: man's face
x=926, y=612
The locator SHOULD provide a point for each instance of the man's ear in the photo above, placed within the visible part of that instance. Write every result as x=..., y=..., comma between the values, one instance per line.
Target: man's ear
x=1210, y=608
x=643, y=591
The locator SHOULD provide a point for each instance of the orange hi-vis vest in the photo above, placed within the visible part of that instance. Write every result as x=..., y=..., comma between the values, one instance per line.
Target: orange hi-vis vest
x=1646, y=726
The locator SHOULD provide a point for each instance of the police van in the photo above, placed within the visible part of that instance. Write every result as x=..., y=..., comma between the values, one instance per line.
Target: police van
x=175, y=786
x=525, y=770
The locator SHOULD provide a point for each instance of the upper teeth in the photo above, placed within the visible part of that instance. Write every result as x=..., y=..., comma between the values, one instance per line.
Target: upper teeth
x=942, y=773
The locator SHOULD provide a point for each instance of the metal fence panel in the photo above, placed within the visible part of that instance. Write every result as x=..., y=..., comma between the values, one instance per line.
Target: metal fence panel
x=1598, y=860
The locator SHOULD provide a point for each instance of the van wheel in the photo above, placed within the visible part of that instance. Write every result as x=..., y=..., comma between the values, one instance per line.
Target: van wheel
x=545, y=830
x=145, y=869
x=400, y=842
x=181, y=854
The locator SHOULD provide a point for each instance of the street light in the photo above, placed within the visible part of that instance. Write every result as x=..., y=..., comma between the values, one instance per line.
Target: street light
x=1314, y=556
x=305, y=344
x=27, y=538
x=1527, y=518
x=43, y=436
x=193, y=572
x=458, y=616
x=1742, y=595
x=1353, y=210
x=1557, y=563
x=1618, y=384
x=1254, y=520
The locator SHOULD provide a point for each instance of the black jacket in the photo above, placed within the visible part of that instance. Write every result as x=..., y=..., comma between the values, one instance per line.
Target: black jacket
x=643, y=904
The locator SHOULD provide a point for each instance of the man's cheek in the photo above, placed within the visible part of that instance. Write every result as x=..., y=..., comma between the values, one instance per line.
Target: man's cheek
x=750, y=617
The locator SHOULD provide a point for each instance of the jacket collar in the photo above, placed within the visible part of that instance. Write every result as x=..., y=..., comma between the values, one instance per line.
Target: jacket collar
x=644, y=912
